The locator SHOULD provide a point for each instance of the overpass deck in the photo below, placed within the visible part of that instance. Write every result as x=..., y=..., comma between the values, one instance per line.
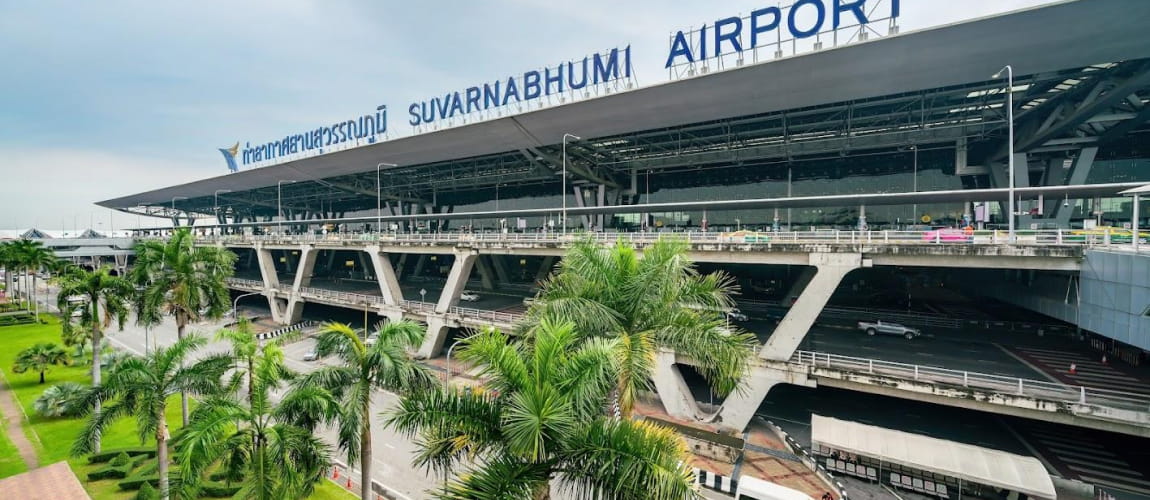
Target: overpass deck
x=1042, y=250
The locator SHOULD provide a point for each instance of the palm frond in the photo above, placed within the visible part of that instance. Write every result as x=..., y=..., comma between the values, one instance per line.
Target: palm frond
x=626, y=459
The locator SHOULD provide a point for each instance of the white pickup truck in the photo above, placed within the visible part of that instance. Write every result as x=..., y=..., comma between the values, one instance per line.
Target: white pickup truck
x=888, y=328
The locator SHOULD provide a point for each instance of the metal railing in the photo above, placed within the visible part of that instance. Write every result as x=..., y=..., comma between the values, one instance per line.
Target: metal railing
x=341, y=297
x=1053, y=237
x=1038, y=389
x=485, y=315
x=246, y=284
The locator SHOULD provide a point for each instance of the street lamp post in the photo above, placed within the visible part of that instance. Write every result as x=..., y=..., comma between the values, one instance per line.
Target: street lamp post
x=1009, y=70
x=564, y=217
x=279, y=202
x=379, y=196
x=236, y=303
x=447, y=379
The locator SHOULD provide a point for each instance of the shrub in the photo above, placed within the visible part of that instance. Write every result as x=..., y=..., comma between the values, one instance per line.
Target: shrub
x=147, y=492
x=62, y=400
x=121, y=459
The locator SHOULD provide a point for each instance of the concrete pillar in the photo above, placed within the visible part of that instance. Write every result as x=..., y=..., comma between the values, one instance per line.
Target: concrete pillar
x=456, y=280
x=267, y=268
x=419, y=263
x=363, y=264
x=306, y=268
x=545, y=268
x=500, y=265
x=436, y=335
x=740, y=406
x=486, y=277
x=672, y=389
x=802, y=314
x=400, y=266
x=330, y=267
x=385, y=275
x=801, y=283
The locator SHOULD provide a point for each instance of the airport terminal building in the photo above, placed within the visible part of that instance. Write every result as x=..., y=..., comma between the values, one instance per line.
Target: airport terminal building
x=857, y=172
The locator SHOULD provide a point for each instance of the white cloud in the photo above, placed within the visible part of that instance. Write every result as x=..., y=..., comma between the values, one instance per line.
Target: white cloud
x=57, y=188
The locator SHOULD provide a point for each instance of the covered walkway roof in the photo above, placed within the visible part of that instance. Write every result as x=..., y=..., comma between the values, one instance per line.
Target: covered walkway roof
x=967, y=462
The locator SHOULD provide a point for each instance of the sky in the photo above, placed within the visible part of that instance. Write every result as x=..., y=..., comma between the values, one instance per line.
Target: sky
x=105, y=99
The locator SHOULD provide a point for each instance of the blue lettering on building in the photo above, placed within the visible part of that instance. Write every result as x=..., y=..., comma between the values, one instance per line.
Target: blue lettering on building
x=803, y=19
x=593, y=70
x=365, y=127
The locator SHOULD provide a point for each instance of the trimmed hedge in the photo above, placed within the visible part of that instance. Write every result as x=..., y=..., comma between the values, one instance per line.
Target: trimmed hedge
x=219, y=490
x=106, y=455
x=110, y=472
x=134, y=482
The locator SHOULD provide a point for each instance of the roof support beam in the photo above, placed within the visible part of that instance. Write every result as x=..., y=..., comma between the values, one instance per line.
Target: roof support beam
x=1099, y=100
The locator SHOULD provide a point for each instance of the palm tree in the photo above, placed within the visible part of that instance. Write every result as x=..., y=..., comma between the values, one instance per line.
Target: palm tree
x=274, y=457
x=183, y=280
x=139, y=387
x=541, y=421
x=655, y=301
x=245, y=347
x=106, y=297
x=9, y=262
x=386, y=364
x=32, y=257
x=39, y=358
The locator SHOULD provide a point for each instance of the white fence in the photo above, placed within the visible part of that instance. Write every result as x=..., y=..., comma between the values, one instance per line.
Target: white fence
x=1038, y=389
x=1056, y=237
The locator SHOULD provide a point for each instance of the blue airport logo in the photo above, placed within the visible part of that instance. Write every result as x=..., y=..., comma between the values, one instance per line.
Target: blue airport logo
x=230, y=157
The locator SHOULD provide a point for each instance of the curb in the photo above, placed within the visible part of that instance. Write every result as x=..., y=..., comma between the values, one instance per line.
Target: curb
x=717, y=482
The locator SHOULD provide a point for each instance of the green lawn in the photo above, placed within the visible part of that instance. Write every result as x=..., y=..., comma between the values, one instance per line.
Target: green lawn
x=53, y=437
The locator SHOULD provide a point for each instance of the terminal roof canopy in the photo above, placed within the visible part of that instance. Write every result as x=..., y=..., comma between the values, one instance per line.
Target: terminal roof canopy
x=1041, y=41
x=967, y=462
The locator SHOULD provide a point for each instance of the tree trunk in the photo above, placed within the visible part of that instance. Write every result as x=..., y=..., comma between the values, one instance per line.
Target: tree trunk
x=162, y=455
x=96, y=338
x=41, y=376
x=35, y=303
x=181, y=323
x=365, y=452
x=543, y=492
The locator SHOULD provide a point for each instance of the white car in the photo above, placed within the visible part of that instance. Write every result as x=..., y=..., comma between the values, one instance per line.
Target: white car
x=371, y=339
x=736, y=315
x=469, y=296
x=311, y=355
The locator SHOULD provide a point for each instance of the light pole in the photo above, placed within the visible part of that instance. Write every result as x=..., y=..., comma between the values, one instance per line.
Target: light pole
x=174, y=198
x=236, y=303
x=379, y=196
x=279, y=203
x=564, y=217
x=1009, y=70
x=447, y=379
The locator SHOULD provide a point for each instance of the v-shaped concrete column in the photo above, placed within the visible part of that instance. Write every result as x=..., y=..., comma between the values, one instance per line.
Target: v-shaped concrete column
x=306, y=267
x=385, y=275
x=739, y=407
x=832, y=267
x=437, y=326
x=271, y=283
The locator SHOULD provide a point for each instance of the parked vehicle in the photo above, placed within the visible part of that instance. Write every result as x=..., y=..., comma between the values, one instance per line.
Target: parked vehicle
x=371, y=339
x=311, y=355
x=888, y=328
x=469, y=296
